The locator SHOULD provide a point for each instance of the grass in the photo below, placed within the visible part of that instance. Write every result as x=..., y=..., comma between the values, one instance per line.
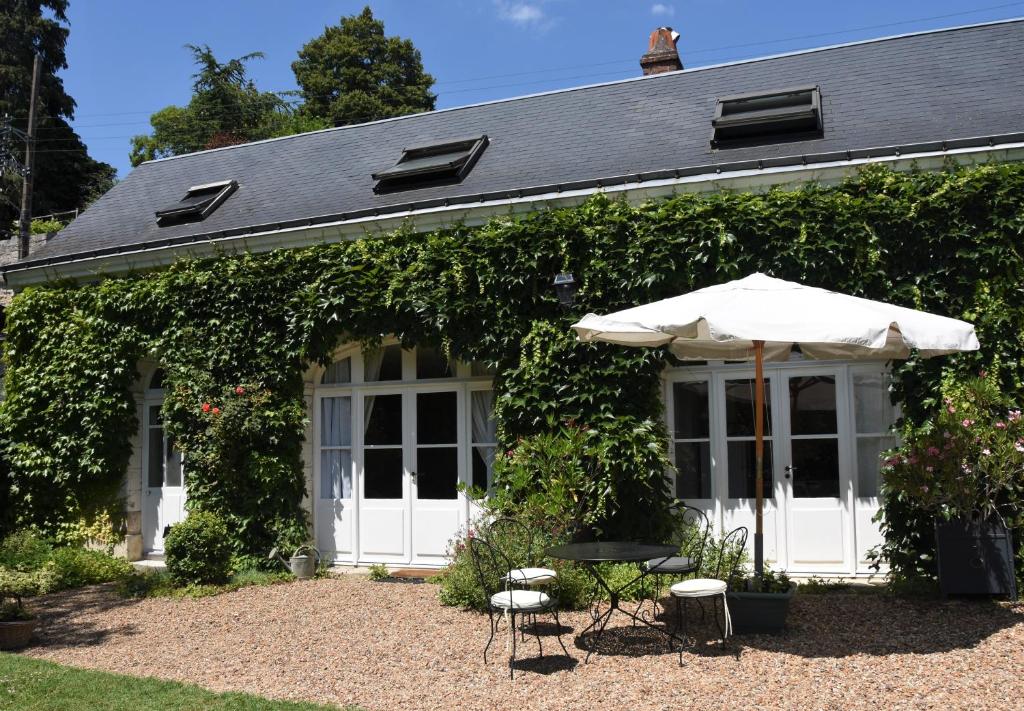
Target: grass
x=35, y=685
x=159, y=584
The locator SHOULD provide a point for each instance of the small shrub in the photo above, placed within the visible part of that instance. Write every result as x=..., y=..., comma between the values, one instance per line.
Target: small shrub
x=198, y=551
x=24, y=550
x=16, y=585
x=76, y=567
x=818, y=586
x=161, y=584
x=379, y=571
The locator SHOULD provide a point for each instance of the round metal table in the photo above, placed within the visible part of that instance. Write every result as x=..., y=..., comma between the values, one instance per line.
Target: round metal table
x=590, y=554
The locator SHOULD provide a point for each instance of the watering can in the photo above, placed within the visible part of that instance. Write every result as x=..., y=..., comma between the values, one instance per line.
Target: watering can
x=302, y=563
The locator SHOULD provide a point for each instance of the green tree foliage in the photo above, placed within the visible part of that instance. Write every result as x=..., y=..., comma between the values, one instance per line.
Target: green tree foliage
x=947, y=242
x=226, y=109
x=353, y=73
x=65, y=176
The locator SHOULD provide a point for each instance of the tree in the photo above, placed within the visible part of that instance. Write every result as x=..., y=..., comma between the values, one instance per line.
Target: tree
x=226, y=109
x=352, y=73
x=66, y=177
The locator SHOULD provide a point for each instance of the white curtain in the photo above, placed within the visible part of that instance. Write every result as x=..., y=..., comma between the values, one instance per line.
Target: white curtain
x=485, y=430
x=338, y=373
x=335, y=464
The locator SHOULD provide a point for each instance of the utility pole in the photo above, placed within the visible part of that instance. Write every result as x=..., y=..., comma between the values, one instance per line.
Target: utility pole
x=25, y=220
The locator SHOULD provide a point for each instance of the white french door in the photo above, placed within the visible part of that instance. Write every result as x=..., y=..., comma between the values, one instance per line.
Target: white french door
x=163, y=490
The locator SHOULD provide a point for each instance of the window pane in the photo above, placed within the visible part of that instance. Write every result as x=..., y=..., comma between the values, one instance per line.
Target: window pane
x=693, y=461
x=812, y=405
x=335, y=474
x=157, y=381
x=436, y=418
x=155, y=456
x=155, y=418
x=872, y=404
x=869, y=454
x=690, y=406
x=743, y=470
x=383, y=419
x=339, y=372
x=739, y=408
x=172, y=468
x=383, y=364
x=815, y=468
x=336, y=422
x=431, y=363
x=383, y=473
x=483, y=461
x=437, y=473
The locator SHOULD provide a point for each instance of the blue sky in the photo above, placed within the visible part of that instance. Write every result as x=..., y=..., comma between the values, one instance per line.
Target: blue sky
x=126, y=58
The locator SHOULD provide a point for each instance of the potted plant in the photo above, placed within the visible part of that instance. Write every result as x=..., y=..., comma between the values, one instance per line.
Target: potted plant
x=966, y=467
x=16, y=623
x=760, y=604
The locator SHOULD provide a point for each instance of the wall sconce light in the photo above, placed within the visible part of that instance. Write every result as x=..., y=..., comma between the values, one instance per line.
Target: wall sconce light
x=565, y=287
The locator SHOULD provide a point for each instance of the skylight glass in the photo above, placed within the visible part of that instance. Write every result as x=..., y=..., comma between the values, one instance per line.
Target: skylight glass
x=430, y=165
x=764, y=117
x=199, y=201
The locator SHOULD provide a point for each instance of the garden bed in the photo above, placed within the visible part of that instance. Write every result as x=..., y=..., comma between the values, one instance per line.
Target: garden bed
x=349, y=640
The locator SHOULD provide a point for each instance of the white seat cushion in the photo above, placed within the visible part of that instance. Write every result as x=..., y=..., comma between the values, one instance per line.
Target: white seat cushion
x=700, y=587
x=527, y=600
x=532, y=576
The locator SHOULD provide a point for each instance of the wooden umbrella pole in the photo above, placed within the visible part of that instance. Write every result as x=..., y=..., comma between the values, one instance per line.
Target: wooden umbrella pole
x=759, y=456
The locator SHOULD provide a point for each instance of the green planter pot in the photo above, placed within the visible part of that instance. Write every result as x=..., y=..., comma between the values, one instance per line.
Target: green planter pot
x=759, y=613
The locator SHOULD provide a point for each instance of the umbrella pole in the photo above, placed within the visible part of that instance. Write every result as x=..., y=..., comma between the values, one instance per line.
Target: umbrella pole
x=759, y=457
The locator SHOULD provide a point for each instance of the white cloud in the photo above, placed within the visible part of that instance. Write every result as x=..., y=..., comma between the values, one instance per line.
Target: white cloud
x=524, y=14
x=662, y=10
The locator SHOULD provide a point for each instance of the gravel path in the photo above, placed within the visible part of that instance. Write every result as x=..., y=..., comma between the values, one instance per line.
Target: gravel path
x=392, y=646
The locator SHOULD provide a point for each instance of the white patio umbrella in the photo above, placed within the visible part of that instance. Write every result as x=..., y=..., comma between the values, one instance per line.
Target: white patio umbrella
x=762, y=318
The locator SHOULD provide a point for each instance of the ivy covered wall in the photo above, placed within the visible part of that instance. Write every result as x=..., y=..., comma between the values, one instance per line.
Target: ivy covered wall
x=236, y=333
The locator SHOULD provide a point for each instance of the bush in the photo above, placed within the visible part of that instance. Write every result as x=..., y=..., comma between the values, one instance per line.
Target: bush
x=198, y=551
x=76, y=567
x=379, y=571
x=24, y=550
x=16, y=585
x=160, y=584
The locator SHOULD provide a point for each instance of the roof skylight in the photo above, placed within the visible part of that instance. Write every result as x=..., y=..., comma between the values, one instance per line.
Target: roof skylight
x=766, y=117
x=430, y=165
x=199, y=201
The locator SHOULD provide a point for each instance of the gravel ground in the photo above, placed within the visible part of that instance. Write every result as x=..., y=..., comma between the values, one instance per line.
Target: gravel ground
x=388, y=646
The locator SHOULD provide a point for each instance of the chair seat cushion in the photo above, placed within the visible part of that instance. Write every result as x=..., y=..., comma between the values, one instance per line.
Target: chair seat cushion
x=675, y=564
x=532, y=576
x=526, y=600
x=699, y=587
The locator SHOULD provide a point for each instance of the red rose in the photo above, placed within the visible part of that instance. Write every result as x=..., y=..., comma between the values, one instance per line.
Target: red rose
x=206, y=407
x=239, y=390
x=216, y=410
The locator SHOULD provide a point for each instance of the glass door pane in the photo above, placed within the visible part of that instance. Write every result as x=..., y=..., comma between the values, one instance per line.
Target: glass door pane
x=437, y=450
x=383, y=466
x=814, y=435
x=740, y=438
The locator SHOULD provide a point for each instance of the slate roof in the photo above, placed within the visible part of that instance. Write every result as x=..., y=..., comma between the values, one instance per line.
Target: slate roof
x=935, y=86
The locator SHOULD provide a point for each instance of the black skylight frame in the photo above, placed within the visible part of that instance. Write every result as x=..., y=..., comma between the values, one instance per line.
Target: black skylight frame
x=198, y=203
x=433, y=164
x=775, y=116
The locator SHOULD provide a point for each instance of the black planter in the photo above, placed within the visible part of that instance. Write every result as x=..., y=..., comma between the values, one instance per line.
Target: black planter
x=758, y=613
x=975, y=558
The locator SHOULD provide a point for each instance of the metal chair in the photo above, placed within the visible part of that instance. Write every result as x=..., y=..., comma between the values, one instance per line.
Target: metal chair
x=691, y=538
x=729, y=556
x=494, y=571
x=515, y=539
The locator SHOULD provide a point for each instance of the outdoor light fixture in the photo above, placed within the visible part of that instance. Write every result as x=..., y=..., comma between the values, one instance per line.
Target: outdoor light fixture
x=565, y=286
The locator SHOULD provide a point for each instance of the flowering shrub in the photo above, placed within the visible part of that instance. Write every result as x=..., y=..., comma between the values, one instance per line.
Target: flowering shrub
x=967, y=462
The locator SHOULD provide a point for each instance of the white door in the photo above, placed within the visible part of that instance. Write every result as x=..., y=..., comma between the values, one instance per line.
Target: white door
x=816, y=481
x=335, y=509
x=436, y=470
x=384, y=481
x=163, y=491
x=737, y=475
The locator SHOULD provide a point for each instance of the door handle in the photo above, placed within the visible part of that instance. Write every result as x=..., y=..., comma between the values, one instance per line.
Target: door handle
x=790, y=470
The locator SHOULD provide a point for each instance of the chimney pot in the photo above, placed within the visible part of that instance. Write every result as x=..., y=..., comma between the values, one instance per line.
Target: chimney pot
x=662, y=55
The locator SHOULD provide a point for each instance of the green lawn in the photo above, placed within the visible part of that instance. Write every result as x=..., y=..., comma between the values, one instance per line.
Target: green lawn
x=34, y=685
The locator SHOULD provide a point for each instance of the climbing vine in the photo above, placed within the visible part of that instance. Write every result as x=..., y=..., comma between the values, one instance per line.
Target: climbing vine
x=944, y=241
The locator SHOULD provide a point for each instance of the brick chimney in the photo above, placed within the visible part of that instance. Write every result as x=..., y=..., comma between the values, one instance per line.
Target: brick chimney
x=662, y=55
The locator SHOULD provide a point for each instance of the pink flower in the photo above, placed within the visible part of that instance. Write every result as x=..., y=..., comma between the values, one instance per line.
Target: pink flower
x=986, y=451
x=946, y=434
x=206, y=407
x=239, y=390
x=924, y=488
x=929, y=469
x=216, y=410
x=1000, y=425
x=1014, y=415
x=933, y=451
x=951, y=410
x=1018, y=446
x=982, y=373
x=967, y=423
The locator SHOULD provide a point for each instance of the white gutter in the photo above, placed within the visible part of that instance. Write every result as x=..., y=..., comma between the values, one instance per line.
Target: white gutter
x=428, y=219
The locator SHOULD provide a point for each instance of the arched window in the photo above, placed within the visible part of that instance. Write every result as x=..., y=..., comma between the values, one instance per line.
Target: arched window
x=156, y=381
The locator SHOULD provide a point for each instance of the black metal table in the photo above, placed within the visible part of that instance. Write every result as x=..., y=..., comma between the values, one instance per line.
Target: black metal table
x=590, y=554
